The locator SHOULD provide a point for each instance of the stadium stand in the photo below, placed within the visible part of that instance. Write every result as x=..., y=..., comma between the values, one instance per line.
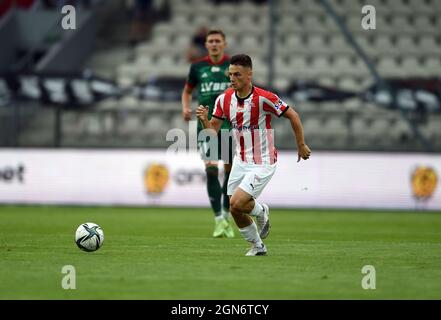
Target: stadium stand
x=307, y=46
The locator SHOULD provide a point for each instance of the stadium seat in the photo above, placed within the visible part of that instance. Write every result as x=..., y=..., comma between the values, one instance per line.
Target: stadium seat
x=321, y=65
x=429, y=45
x=413, y=66
x=407, y=45
x=293, y=42
x=339, y=45
x=178, y=123
x=432, y=66
x=156, y=125
x=297, y=66
x=348, y=83
x=316, y=43
x=399, y=130
x=422, y=24
x=313, y=23
x=312, y=126
x=384, y=44
x=401, y=24
x=388, y=66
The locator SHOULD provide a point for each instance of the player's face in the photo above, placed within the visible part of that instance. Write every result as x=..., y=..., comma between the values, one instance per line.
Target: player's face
x=215, y=44
x=240, y=76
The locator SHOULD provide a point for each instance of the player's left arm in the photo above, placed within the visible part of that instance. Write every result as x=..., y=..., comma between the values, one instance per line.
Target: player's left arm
x=303, y=150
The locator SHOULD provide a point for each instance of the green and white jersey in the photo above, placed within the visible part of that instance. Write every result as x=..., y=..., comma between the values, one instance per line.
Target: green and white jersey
x=211, y=79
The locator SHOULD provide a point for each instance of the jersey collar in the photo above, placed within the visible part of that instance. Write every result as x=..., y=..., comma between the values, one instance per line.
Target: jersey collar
x=222, y=60
x=241, y=100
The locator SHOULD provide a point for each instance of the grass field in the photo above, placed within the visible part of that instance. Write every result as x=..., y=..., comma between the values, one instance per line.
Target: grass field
x=156, y=253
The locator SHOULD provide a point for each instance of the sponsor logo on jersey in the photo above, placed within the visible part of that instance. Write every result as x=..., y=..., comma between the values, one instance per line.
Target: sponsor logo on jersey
x=278, y=105
x=245, y=107
x=204, y=75
x=245, y=128
x=214, y=86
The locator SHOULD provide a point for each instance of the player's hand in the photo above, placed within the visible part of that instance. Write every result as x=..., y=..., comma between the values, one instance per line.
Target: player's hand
x=304, y=152
x=186, y=114
x=202, y=113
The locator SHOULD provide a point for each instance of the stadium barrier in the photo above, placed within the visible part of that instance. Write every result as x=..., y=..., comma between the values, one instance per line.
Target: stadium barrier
x=155, y=178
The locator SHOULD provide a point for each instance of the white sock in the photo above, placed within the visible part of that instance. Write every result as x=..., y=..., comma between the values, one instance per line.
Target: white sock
x=257, y=210
x=219, y=218
x=251, y=235
x=226, y=214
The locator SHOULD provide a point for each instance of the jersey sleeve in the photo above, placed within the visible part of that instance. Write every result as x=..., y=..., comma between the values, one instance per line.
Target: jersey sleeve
x=218, y=111
x=192, y=79
x=275, y=105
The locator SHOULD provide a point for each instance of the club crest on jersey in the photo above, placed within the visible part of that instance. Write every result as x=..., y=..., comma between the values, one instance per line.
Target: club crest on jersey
x=240, y=108
x=278, y=105
x=215, y=69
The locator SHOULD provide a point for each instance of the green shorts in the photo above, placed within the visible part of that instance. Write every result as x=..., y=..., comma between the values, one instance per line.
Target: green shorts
x=219, y=149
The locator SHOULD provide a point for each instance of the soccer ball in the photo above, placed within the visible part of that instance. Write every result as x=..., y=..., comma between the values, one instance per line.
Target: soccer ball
x=89, y=237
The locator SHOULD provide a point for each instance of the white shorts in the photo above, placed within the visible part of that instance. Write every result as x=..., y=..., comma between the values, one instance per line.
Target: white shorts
x=251, y=178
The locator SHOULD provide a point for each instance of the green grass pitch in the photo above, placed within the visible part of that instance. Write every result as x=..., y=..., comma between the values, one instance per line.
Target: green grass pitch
x=163, y=253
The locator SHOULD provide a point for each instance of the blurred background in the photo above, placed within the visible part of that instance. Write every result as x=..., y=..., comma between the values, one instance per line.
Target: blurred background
x=115, y=81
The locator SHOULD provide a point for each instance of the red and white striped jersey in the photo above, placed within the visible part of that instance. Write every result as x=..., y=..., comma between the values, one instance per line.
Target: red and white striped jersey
x=250, y=120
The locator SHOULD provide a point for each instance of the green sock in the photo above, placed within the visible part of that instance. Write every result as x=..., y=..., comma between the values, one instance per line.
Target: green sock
x=226, y=202
x=214, y=189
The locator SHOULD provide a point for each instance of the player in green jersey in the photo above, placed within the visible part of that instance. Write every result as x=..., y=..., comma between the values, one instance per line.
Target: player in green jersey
x=209, y=75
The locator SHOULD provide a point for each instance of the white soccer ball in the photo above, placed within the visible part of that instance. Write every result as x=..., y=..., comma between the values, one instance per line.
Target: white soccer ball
x=89, y=237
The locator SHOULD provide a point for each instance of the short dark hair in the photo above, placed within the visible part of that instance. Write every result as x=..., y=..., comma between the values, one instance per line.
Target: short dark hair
x=215, y=31
x=242, y=60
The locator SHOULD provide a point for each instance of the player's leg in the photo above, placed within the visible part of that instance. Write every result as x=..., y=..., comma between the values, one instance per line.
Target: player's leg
x=214, y=191
x=247, y=183
x=252, y=207
x=214, y=188
x=226, y=199
x=225, y=154
x=226, y=146
x=243, y=203
x=229, y=231
x=247, y=227
x=253, y=183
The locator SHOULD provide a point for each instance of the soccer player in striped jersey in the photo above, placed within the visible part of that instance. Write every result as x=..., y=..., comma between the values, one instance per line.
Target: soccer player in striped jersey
x=209, y=75
x=249, y=110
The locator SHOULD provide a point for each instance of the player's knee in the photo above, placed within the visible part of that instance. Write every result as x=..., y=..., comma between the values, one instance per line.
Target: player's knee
x=212, y=171
x=234, y=212
x=235, y=206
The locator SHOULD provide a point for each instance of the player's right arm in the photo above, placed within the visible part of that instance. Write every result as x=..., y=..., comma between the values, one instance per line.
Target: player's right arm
x=190, y=84
x=186, y=102
x=215, y=123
